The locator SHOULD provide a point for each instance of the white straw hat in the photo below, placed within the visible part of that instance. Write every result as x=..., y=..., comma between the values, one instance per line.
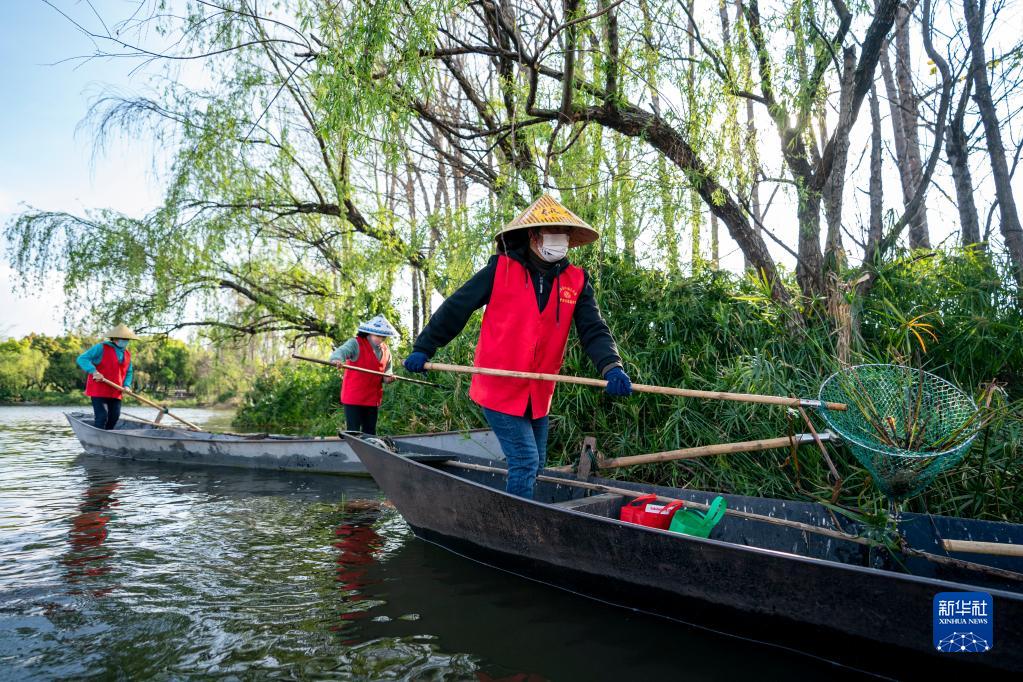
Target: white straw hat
x=379, y=326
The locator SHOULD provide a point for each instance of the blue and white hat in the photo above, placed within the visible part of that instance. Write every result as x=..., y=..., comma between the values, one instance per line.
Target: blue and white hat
x=379, y=326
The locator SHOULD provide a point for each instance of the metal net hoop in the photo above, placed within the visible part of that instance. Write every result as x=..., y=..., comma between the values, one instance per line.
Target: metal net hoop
x=904, y=425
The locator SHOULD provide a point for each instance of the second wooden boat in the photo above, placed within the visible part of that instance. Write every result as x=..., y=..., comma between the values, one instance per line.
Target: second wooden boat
x=144, y=442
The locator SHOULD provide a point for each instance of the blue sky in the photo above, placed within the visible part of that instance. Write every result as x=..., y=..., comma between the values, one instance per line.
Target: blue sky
x=46, y=162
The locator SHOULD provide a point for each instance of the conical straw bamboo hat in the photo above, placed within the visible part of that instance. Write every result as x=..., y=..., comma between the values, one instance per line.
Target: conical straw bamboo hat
x=121, y=331
x=548, y=212
x=379, y=326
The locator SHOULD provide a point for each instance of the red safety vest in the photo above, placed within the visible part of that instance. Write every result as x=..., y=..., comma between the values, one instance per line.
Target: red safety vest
x=360, y=388
x=515, y=335
x=113, y=370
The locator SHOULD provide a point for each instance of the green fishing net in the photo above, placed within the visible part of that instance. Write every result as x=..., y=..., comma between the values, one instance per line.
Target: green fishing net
x=904, y=425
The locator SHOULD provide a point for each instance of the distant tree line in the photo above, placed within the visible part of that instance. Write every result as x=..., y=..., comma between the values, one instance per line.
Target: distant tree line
x=40, y=364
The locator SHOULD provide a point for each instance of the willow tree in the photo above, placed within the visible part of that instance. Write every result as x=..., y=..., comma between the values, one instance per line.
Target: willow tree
x=337, y=145
x=536, y=53
x=292, y=205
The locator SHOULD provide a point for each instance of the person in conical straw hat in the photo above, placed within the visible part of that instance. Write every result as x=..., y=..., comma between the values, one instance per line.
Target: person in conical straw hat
x=362, y=392
x=109, y=360
x=532, y=294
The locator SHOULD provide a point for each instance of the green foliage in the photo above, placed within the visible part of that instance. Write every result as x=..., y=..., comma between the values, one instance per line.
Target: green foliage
x=162, y=364
x=714, y=331
x=294, y=397
x=62, y=374
x=977, y=322
x=44, y=369
x=21, y=367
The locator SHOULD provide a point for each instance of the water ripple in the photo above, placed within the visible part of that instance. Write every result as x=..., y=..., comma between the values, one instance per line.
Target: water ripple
x=120, y=570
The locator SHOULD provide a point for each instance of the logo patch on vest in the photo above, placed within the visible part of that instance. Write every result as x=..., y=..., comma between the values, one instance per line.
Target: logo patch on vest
x=567, y=295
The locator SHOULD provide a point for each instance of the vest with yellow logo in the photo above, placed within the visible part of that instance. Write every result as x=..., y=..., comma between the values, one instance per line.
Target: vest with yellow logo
x=516, y=335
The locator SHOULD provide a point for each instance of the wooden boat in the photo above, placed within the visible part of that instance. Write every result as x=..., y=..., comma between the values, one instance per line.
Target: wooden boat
x=831, y=598
x=143, y=441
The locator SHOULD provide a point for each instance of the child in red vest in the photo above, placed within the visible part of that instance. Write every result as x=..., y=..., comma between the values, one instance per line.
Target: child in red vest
x=110, y=360
x=362, y=392
x=533, y=296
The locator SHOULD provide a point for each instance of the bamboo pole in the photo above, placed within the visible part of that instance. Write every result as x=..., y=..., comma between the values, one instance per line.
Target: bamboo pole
x=973, y=547
x=805, y=527
x=824, y=451
x=711, y=450
x=640, y=388
x=368, y=371
x=661, y=498
x=147, y=401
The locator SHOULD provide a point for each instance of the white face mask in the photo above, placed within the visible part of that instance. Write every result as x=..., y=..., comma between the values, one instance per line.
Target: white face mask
x=553, y=247
x=121, y=343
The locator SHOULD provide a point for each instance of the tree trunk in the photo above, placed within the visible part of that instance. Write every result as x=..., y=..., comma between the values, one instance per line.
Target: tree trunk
x=751, y=141
x=874, y=231
x=810, y=268
x=909, y=111
x=669, y=202
x=1011, y=229
x=695, y=214
x=957, y=151
x=834, y=187
x=669, y=212
x=898, y=130
x=624, y=182
x=714, y=256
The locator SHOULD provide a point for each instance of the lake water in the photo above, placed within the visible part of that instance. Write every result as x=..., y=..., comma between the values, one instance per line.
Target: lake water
x=112, y=569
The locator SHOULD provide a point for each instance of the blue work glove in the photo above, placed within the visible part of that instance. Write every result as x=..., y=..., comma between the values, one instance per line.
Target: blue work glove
x=618, y=382
x=415, y=362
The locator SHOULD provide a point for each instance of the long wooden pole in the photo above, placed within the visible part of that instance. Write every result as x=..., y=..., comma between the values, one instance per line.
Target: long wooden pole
x=805, y=527
x=661, y=498
x=710, y=450
x=368, y=371
x=147, y=401
x=993, y=548
x=640, y=388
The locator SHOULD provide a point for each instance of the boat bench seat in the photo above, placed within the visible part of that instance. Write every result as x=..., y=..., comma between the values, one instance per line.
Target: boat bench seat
x=606, y=504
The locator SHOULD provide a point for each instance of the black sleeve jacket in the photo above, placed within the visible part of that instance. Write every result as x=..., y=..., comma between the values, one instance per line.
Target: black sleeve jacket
x=454, y=313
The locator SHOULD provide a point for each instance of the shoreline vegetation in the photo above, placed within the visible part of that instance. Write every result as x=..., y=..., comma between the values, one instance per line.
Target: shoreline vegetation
x=42, y=370
x=339, y=162
x=78, y=399
x=718, y=331
x=949, y=313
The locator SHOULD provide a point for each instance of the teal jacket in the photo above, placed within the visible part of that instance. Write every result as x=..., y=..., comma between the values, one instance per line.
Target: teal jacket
x=349, y=352
x=92, y=357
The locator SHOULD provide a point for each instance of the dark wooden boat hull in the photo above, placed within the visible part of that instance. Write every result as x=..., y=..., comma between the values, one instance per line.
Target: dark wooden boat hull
x=871, y=619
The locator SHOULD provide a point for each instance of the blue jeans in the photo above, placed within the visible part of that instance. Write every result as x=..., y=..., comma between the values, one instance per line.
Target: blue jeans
x=106, y=412
x=524, y=443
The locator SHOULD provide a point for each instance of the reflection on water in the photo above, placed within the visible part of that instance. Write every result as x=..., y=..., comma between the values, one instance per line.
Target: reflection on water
x=87, y=557
x=116, y=569
x=358, y=544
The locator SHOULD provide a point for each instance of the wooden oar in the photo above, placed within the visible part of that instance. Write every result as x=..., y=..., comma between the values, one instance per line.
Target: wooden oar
x=641, y=388
x=993, y=548
x=147, y=401
x=368, y=371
